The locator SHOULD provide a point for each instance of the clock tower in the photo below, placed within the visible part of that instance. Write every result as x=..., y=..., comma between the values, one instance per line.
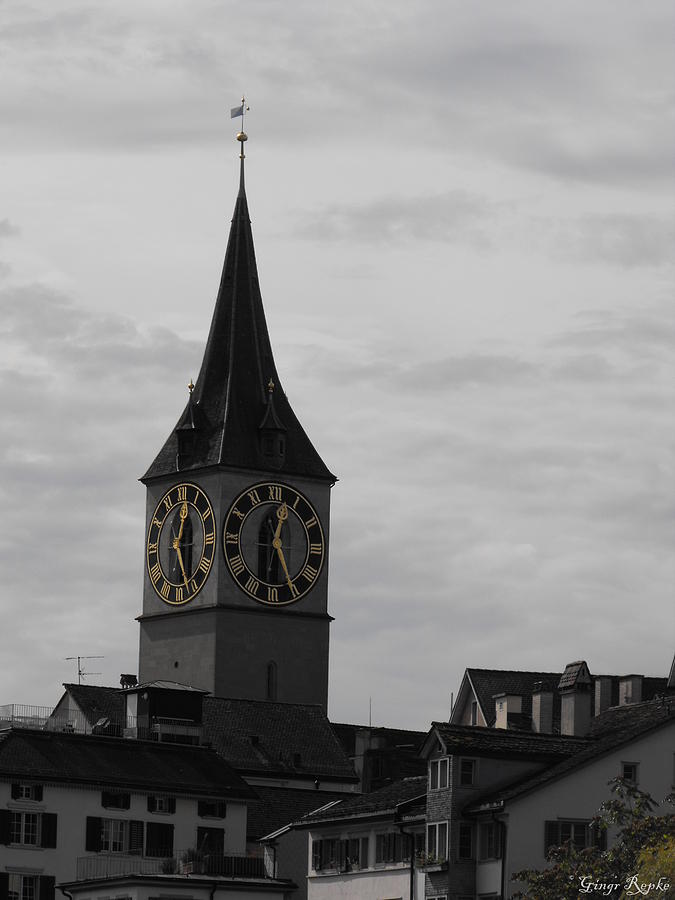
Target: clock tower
x=235, y=591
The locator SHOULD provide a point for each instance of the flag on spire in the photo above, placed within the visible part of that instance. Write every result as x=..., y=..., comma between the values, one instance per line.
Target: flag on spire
x=237, y=111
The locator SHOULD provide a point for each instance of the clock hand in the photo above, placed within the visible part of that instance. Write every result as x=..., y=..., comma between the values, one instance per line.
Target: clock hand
x=176, y=547
x=183, y=517
x=276, y=543
x=282, y=515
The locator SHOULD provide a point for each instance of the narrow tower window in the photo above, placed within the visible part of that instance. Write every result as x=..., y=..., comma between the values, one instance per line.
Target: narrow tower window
x=271, y=680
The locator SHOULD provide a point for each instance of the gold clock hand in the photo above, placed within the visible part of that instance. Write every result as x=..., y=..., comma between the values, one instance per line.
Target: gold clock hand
x=276, y=543
x=176, y=547
x=282, y=515
x=183, y=517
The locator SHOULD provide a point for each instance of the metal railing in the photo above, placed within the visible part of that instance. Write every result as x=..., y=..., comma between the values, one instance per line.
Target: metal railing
x=178, y=862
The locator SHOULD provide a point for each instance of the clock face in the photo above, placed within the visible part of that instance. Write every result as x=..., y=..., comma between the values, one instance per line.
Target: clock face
x=273, y=543
x=181, y=544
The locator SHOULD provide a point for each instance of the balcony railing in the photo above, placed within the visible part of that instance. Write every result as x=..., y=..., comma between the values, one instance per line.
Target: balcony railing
x=43, y=718
x=180, y=862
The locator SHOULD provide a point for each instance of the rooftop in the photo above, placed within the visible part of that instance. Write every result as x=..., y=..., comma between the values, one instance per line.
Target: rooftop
x=382, y=802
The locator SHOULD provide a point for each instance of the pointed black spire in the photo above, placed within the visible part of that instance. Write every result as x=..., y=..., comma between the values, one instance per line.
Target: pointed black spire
x=230, y=412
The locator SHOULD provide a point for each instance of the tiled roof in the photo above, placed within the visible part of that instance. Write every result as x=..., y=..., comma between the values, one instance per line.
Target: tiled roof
x=140, y=765
x=98, y=702
x=275, y=807
x=386, y=737
x=376, y=803
x=610, y=730
x=472, y=739
x=488, y=682
x=257, y=736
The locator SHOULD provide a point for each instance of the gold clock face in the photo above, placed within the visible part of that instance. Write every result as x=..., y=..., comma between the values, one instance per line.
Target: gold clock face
x=181, y=544
x=273, y=543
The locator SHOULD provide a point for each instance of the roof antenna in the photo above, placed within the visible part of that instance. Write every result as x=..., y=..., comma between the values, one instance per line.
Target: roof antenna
x=80, y=671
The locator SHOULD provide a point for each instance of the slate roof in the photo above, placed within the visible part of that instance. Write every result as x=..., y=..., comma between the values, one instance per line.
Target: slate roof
x=257, y=736
x=389, y=737
x=610, y=730
x=125, y=764
x=381, y=802
x=275, y=807
x=98, y=702
x=502, y=742
x=230, y=399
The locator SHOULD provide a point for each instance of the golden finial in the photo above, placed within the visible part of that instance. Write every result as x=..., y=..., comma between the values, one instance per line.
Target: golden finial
x=191, y=386
x=270, y=386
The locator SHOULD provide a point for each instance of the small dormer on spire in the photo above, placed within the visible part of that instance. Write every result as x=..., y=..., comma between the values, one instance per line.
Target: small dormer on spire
x=272, y=433
x=187, y=433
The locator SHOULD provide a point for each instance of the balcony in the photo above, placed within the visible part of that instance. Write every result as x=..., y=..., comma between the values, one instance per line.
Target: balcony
x=180, y=862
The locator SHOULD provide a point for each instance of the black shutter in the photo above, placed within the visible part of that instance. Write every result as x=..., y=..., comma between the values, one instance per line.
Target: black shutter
x=202, y=808
x=172, y=804
x=152, y=804
x=46, y=887
x=38, y=791
x=16, y=791
x=551, y=838
x=221, y=809
x=48, y=836
x=93, y=834
x=136, y=837
x=4, y=884
x=5, y=826
x=158, y=839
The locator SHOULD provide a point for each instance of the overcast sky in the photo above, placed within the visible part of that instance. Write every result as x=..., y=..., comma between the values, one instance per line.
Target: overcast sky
x=463, y=216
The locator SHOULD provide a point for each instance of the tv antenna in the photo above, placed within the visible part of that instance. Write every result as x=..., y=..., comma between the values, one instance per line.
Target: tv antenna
x=80, y=671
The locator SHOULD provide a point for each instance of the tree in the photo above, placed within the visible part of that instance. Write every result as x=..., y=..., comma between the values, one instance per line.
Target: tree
x=644, y=845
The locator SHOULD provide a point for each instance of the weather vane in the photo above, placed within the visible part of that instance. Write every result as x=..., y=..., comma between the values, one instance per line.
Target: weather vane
x=235, y=112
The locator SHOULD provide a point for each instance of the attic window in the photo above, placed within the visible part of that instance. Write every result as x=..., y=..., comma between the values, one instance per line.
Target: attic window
x=115, y=800
x=211, y=809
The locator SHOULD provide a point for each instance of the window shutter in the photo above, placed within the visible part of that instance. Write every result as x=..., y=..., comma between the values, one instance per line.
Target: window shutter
x=363, y=859
x=16, y=791
x=48, y=830
x=93, y=842
x=136, y=837
x=551, y=838
x=38, y=790
x=152, y=804
x=5, y=827
x=202, y=808
x=46, y=888
x=4, y=884
x=172, y=804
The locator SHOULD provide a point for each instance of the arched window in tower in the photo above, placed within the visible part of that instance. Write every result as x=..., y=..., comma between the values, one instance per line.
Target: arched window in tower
x=269, y=565
x=181, y=537
x=271, y=680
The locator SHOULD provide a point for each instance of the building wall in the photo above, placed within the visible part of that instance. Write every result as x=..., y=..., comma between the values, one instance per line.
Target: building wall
x=369, y=885
x=73, y=804
x=580, y=794
x=185, y=888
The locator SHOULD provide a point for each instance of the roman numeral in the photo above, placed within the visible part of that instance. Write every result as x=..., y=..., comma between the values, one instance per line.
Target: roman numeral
x=310, y=523
x=167, y=501
x=207, y=513
x=179, y=595
x=155, y=573
x=166, y=590
x=156, y=522
x=252, y=585
x=204, y=565
x=294, y=591
x=297, y=500
x=193, y=586
x=182, y=492
x=315, y=548
x=152, y=548
x=310, y=573
x=254, y=497
x=274, y=492
x=209, y=538
x=236, y=512
x=272, y=595
x=237, y=565
x=231, y=538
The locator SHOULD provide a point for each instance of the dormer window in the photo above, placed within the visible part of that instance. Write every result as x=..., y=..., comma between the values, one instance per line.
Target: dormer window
x=438, y=774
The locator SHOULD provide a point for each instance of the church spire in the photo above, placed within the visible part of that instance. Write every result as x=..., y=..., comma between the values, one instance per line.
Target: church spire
x=230, y=410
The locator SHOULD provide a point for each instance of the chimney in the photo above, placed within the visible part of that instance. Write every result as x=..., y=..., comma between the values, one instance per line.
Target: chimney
x=542, y=708
x=630, y=689
x=506, y=704
x=128, y=681
x=575, y=699
x=603, y=693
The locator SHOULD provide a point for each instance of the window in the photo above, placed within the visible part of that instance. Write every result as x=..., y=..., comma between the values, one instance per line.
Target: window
x=158, y=839
x=345, y=855
x=23, y=887
x=467, y=772
x=629, y=772
x=211, y=809
x=27, y=792
x=161, y=804
x=575, y=833
x=211, y=840
x=437, y=841
x=490, y=840
x=115, y=800
x=392, y=847
x=438, y=774
x=465, y=846
x=114, y=835
x=474, y=712
x=25, y=828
